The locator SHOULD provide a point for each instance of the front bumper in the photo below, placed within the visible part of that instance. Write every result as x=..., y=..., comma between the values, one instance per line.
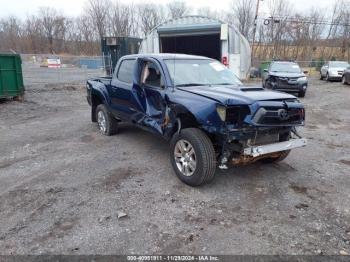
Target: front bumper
x=290, y=87
x=335, y=75
x=256, y=151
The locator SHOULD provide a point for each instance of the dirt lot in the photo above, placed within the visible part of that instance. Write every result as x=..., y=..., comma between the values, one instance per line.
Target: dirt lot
x=63, y=186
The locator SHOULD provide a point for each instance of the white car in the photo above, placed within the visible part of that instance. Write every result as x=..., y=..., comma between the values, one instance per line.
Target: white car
x=333, y=70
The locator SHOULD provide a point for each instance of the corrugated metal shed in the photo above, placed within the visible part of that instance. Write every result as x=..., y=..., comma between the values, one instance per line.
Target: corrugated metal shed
x=190, y=23
x=236, y=47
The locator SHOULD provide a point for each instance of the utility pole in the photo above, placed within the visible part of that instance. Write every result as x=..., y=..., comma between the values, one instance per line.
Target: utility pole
x=254, y=29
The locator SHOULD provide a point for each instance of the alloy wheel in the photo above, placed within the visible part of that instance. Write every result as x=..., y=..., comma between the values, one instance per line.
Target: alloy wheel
x=101, y=120
x=185, y=157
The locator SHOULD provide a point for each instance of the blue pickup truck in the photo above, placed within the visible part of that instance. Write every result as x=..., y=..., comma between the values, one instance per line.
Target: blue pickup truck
x=209, y=117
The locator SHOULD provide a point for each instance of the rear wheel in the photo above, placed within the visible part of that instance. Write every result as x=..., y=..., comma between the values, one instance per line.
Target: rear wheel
x=192, y=156
x=107, y=124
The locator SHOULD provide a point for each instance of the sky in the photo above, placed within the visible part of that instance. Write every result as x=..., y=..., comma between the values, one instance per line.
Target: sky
x=22, y=8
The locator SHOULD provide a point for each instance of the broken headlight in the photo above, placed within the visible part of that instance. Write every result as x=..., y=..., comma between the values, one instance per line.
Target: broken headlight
x=221, y=112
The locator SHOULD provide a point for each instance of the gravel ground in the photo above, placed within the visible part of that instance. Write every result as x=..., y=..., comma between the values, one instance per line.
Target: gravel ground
x=63, y=186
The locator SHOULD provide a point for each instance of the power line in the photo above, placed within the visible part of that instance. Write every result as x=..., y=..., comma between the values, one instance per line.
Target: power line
x=277, y=19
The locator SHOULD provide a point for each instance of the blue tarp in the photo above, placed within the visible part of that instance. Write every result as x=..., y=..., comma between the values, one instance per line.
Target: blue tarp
x=91, y=63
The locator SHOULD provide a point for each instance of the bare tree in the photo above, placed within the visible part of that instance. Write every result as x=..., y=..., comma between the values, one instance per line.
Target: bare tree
x=150, y=15
x=34, y=34
x=242, y=15
x=208, y=12
x=121, y=19
x=344, y=31
x=280, y=10
x=333, y=27
x=12, y=32
x=177, y=9
x=87, y=35
x=53, y=25
x=98, y=11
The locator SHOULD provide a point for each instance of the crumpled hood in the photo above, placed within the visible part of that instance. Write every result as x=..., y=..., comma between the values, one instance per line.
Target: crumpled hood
x=286, y=74
x=235, y=95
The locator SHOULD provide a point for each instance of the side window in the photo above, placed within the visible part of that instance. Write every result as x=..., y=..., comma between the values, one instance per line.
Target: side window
x=151, y=75
x=126, y=70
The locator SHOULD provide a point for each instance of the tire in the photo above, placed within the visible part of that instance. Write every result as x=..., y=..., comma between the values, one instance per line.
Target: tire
x=263, y=84
x=107, y=124
x=343, y=80
x=19, y=98
x=302, y=93
x=200, y=166
x=327, y=77
x=321, y=77
x=283, y=155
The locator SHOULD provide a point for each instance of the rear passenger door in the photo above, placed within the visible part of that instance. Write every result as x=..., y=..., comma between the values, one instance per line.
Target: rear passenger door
x=120, y=89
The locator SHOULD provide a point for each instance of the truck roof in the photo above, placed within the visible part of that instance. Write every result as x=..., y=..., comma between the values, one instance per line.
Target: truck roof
x=163, y=56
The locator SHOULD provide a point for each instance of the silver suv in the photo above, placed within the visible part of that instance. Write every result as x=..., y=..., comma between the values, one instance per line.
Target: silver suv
x=333, y=70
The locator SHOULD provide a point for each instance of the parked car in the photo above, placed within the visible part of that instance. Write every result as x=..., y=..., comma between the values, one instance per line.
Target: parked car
x=285, y=76
x=346, y=76
x=201, y=108
x=333, y=70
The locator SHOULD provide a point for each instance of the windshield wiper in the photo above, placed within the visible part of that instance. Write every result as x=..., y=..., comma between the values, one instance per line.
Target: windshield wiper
x=190, y=84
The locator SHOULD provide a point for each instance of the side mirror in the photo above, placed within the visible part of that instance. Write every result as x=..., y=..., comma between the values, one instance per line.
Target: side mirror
x=306, y=72
x=266, y=70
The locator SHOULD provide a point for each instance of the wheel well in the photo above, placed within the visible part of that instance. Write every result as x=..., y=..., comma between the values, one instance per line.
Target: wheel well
x=95, y=101
x=187, y=120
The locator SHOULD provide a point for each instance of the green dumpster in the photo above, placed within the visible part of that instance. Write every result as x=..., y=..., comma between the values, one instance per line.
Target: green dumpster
x=11, y=78
x=263, y=66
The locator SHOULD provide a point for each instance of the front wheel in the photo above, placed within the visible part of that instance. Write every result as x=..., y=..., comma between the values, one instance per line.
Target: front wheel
x=327, y=77
x=192, y=156
x=343, y=80
x=302, y=93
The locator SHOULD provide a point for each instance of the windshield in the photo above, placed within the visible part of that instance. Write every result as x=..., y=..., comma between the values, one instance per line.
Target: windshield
x=338, y=64
x=285, y=67
x=192, y=72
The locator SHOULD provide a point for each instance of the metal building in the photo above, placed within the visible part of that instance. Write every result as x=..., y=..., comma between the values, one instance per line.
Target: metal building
x=199, y=35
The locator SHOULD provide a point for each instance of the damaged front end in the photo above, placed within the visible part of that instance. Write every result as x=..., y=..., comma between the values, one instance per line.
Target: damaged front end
x=264, y=129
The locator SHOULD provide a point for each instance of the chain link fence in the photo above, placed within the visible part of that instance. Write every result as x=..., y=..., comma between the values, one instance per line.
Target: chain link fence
x=42, y=69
